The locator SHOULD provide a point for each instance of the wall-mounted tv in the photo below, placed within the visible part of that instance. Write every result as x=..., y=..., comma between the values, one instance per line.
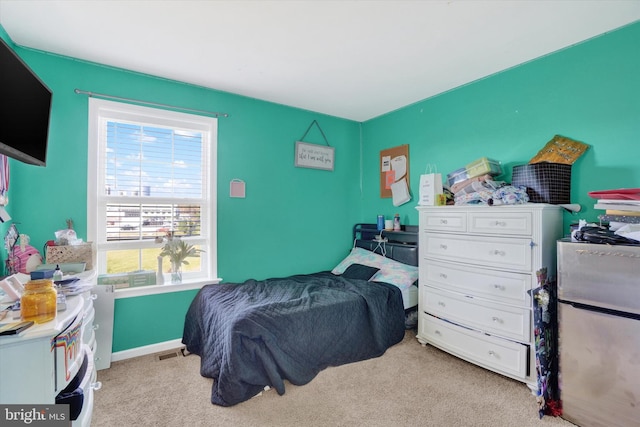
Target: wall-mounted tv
x=25, y=106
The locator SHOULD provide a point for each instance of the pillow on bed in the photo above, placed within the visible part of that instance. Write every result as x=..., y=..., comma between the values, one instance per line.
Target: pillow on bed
x=360, y=271
x=398, y=274
x=391, y=271
x=359, y=256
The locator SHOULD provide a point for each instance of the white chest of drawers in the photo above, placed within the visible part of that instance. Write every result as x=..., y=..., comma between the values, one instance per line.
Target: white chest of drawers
x=477, y=264
x=38, y=365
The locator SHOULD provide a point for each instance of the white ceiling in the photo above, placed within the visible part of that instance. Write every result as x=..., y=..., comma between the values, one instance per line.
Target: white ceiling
x=351, y=59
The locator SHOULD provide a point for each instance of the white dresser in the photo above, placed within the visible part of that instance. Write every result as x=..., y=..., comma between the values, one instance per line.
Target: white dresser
x=477, y=264
x=40, y=365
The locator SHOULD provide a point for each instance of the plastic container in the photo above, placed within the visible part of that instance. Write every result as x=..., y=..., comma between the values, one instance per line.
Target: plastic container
x=396, y=222
x=39, y=301
x=484, y=166
x=57, y=274
x=456, y=176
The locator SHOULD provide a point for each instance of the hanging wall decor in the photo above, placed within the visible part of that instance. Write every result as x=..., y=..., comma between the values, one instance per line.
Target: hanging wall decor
x=314, y=156
x=394, y=174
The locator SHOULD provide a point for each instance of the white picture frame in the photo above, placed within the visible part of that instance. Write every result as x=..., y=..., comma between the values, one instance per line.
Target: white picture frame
x=314, y=156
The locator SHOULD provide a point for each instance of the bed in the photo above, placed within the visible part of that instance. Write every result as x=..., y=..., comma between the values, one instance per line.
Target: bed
x=262, y=332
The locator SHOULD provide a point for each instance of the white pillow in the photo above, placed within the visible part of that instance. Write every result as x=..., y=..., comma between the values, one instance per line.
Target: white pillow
x=393, y=272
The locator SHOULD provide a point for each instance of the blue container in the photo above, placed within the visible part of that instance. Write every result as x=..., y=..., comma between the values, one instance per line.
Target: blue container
x=41, y=274
x=380, y=222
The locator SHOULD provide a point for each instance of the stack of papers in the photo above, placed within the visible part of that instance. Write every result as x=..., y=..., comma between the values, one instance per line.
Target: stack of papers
x=622, y=210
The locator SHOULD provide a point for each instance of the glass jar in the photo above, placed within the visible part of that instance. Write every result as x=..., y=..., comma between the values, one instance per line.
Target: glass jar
x=39, y=301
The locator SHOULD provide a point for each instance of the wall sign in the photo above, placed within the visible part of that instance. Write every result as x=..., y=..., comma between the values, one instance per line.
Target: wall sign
x=314, y=156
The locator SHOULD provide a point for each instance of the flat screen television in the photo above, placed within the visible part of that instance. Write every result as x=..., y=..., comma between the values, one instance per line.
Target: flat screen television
x=25, y=107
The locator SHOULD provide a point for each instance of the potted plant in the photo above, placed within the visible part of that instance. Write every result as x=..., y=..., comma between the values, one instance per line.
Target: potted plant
x=177, y=250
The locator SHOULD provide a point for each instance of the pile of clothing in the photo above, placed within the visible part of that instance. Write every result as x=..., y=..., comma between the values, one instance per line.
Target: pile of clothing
x=484, y=190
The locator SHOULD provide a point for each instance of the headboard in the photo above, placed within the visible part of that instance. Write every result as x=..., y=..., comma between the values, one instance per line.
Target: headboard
x=400, y=245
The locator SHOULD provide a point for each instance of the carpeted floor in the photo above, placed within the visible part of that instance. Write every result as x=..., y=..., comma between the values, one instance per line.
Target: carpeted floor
x=409, y=385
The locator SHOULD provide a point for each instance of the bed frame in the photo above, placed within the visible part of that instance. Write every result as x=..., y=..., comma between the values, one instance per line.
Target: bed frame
x=400, y=245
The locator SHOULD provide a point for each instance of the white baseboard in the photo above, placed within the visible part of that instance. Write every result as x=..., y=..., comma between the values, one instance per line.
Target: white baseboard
x=147, y=349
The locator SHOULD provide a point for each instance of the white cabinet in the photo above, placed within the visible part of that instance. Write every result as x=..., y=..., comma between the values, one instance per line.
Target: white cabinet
x=477, y=266
x=42, y=363
x=104, y=311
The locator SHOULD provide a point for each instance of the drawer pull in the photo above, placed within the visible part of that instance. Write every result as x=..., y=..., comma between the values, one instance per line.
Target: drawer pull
x=443, y=246
x=493, y=354
x=497, y=319
x=443, y=275
x=499, y=287
x=443, y=221
x=497, y=252
x=442, y=304
x=94, y=296
x=501, y=223
x=437, y=332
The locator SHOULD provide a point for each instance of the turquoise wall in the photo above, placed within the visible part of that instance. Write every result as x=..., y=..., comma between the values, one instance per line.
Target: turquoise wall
x=589, y=92
x=298, y=220
x=293, y=220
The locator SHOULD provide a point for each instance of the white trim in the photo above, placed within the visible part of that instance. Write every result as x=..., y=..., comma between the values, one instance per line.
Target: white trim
x=147, y=349
x=98, y=110
x=163, y=289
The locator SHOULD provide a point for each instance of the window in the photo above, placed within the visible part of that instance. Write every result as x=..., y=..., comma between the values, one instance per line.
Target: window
x=150, y=172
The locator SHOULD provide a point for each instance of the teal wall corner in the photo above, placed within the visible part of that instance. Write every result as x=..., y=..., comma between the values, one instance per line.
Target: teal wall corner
x=589, y=92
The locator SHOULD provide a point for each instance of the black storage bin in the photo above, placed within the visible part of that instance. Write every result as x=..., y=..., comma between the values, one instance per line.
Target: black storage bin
x=545, y=182
x=73, y=394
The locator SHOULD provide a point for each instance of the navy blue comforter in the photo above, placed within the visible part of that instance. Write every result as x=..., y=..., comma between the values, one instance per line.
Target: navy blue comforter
x=261, y=333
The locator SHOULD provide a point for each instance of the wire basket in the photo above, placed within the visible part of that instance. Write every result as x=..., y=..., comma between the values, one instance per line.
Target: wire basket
x=545, y=182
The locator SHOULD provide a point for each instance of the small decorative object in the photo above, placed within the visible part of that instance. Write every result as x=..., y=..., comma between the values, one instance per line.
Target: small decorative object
x=178, y=251
x=22, y=257
x=396, y=223
x=159, y=275
x=237, y=188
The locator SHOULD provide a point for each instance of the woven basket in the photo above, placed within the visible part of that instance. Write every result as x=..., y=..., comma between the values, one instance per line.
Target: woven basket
x=71, y=253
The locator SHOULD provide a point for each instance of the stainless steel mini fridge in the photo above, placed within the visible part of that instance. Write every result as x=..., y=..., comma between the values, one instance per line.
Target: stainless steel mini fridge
x=599, y=333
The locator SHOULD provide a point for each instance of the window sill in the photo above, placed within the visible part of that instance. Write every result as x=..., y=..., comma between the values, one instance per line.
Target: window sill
x=163, y=289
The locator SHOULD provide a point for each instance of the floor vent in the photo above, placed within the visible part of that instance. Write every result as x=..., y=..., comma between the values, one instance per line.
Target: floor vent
x=167, y=356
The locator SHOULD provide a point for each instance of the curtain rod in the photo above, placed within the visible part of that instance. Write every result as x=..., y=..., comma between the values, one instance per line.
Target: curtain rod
x=155, y=104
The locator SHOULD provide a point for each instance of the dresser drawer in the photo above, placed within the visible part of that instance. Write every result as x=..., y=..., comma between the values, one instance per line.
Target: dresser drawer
x=504, y=253
x=443, y=220
x=501, y=223
x=502, y=320
x=490, y=352
x=87, y=324
x=501, y=286
x=68, y=353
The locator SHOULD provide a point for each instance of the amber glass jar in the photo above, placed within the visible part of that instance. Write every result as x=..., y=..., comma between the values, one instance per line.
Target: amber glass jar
x=39, y=301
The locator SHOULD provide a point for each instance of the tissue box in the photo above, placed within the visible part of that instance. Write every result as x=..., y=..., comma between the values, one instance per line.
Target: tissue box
x=63, y=254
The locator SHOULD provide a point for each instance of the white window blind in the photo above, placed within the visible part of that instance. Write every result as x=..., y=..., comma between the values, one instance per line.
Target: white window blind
x=153, y=173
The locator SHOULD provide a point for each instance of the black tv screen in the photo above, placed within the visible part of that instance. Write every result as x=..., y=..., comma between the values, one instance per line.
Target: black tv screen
x=25, y=106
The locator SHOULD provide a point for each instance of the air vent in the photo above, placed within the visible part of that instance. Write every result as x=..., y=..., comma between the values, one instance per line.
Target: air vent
x=168, y=355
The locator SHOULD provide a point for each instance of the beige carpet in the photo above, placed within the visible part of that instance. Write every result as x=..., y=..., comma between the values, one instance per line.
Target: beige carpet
x=409, y=385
